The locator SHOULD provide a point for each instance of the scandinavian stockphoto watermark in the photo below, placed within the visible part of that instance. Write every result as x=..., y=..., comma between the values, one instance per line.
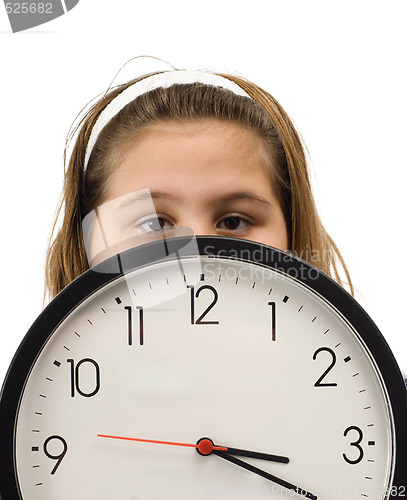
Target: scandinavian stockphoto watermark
x=300, y=266
x=25, y=15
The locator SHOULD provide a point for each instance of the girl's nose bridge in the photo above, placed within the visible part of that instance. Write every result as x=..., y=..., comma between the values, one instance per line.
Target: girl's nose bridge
x=199, y=223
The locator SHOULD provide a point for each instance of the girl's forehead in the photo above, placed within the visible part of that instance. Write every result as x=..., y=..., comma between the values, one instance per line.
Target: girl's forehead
x=202, y=133
x=182, y=157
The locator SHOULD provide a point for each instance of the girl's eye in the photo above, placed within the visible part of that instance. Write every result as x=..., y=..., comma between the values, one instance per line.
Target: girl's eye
x=154, y=224
x=234, y=223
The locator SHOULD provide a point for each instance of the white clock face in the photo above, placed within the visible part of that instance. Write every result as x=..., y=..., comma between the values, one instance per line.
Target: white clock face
x=246, y=356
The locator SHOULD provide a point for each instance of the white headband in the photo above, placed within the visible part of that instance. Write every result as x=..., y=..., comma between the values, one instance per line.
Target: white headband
x=152, y=82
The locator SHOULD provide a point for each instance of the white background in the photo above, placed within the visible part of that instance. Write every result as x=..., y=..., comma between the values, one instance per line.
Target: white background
x=338, y=68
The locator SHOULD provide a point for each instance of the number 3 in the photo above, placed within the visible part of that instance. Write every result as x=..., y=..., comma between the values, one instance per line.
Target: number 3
x=356, y=444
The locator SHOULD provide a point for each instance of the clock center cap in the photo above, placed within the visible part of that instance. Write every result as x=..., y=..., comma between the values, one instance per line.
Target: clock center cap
x=205, y=446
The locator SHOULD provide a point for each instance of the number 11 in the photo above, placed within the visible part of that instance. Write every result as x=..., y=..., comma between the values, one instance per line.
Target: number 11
x=129, y=310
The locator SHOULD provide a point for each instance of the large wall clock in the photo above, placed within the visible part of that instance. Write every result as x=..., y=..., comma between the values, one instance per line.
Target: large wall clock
x=227, y=369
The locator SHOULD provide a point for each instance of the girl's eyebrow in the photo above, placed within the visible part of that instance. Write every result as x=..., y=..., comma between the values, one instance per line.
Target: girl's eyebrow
x=145, y=194
x=245, y=195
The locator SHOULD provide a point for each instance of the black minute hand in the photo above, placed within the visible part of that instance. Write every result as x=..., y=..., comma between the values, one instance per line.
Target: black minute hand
x=266, y=475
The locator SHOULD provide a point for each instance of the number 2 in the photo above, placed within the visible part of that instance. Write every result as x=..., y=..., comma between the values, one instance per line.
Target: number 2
x=319, y=382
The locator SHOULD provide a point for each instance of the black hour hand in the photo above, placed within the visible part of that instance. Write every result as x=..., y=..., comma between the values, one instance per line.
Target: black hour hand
x=205, y=447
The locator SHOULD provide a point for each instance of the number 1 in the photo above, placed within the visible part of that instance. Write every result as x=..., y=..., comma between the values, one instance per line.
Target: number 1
x=273, y=320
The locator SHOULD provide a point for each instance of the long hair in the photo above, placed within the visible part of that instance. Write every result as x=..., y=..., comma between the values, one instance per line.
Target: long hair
x=308, y=239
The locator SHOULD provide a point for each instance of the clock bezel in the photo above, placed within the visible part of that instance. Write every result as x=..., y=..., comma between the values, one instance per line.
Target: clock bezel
x=229, y=248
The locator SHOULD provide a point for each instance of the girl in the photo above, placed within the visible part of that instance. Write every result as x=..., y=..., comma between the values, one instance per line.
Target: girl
x=217, y=153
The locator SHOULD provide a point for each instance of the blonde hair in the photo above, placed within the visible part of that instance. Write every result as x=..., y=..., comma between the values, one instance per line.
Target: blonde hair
x=66, y=257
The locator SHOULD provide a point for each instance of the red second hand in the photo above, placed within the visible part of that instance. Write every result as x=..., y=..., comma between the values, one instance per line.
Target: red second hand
x=205, y=445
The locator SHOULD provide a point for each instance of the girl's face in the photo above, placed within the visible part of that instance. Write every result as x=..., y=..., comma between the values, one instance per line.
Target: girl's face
x=207, y=175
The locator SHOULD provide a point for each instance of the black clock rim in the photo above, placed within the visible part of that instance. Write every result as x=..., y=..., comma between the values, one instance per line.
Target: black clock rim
x=213, y=246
